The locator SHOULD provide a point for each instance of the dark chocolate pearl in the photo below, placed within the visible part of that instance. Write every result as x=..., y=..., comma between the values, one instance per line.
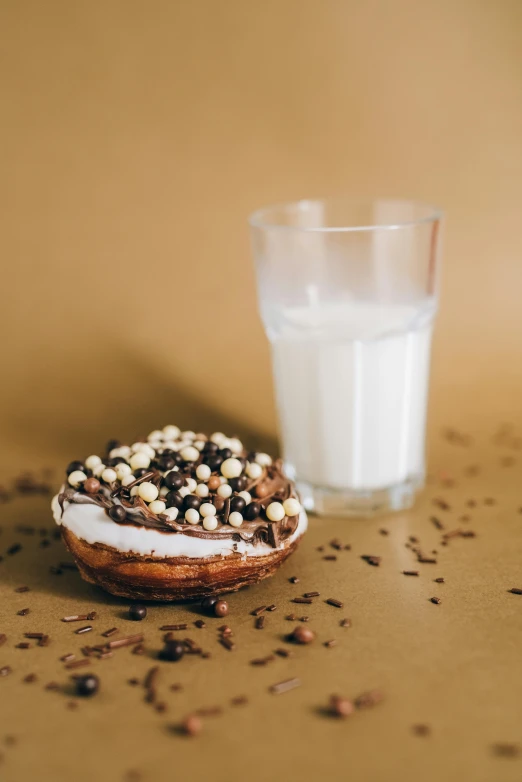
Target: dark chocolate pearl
x=302, y=635
x=174, y=500
x=75, y=466
x=140, y=471
x=117, y=513
x=341, y=707
x=210, y=447
x=239, y=484
x=209, y=602
x=174, y=480
x=214, y=461
x=91, y=485
x=225, y=453
x=221, y=608
x=237, y=504
x=177, y=459
x=252, y=511
x=191, y=501
x=112, y=444
x=172, y=651
x=165, y=462
x=87, y=685
x=114, y=461
x=137, y=612
x=251, y=456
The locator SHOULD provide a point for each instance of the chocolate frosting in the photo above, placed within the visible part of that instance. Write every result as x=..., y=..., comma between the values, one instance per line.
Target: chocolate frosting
x=272, y=486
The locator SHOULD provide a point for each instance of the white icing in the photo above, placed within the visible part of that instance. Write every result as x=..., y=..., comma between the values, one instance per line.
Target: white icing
x=91, y=523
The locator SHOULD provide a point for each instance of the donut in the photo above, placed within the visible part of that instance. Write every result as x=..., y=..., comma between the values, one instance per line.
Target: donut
x=178, y=515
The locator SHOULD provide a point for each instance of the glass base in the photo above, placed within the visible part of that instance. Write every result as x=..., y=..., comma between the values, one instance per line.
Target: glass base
x=326, y=501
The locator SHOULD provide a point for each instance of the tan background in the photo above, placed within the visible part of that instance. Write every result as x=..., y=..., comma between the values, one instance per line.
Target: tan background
x=136, y=138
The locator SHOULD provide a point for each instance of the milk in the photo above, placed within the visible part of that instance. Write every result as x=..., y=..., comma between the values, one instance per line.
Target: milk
x=351, y=382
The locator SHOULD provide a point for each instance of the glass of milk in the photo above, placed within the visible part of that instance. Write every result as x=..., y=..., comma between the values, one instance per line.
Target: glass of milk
x=348, y=297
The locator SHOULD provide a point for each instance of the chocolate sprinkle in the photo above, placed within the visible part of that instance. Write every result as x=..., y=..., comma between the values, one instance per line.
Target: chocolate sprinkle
x=410, y=572
x=336, y=603
x=23, y=612
x=174, y=627
x=284, y=686
x=127, y=641
x=111, y=631
x=435, y=600
x=515, y=591
x=368, y=699
x=78, y=663
x=311, y=594
x=305, y=600
x=81, y=630
x=260, y=623
x=258, y=611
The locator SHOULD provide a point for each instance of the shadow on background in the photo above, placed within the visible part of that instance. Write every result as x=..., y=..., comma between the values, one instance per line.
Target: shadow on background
x=77, y=415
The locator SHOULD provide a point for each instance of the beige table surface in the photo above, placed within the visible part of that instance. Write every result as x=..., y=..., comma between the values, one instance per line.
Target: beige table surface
x=453, y=666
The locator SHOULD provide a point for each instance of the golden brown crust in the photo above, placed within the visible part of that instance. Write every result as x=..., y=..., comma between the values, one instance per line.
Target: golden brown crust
x=170, y=578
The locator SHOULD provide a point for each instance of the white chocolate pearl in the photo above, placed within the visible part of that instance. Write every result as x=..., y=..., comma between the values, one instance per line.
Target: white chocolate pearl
x=77, y=477
x=203, y=472
x=231, y=468
x=199, y=444
x=156, y=445
x=157, y=434
x=171, y=445
x=189, y=453
x=171, y=432
x=217, y=437
x=192, y=516
x=225, y=490
x=97, y=472
x=109, y=475
x=144, y=448
x=157, y=506
x=292, y=506
x=275, y=511
x=122, y=470
x=92, y=461
x=207, y=509
x=148, y=491
x=184, y=491
x=171, y=513
x=235, y=445
x=124, y=451
x=222, y=479
x=128, y=479
x=254, y=470
x=164, y=491
x=191, y=485
x=246, y=496
x=189, y=435
x=134, y=491
x=202, y=490
x=263, y=459
x=235, y=519
x=210, y=523
x=139, y=460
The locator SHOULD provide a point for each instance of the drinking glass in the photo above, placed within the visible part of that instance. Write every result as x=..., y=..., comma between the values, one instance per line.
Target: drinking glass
x=348, y=297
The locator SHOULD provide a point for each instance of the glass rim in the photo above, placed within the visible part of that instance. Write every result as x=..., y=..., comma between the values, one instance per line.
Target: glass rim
x=259, y=218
